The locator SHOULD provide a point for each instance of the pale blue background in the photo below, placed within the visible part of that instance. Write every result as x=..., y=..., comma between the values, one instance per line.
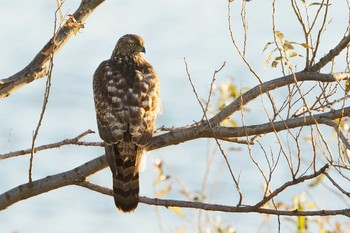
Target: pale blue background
x=197, y=30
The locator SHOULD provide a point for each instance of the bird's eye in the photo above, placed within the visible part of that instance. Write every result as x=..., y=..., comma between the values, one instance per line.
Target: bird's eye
x=131, y=45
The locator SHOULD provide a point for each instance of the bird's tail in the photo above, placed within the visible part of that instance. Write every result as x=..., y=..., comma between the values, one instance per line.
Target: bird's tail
x=123, y=159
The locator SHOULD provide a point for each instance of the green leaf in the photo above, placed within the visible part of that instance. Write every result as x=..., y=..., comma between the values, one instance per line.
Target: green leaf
x=279, y=35
x=287, y=46
x=274, y=64
x=267, y=45
x=305, y=45
x=293, y=54
x=279, y=58
x=347, y=85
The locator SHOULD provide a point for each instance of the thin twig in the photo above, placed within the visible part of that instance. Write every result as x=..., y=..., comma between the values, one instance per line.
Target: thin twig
x=290, y=183
x=71, y=141
x=212, y=86
x=36, y=69
x=236, y=182
x=336, y=184
x=46, y=94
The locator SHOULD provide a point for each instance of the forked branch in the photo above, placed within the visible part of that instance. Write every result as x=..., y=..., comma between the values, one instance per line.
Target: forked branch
x=37, y=69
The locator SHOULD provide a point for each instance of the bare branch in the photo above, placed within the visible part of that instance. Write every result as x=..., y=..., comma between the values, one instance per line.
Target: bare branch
x=332, y=53
x=200, y=131
x=37, y=67
x=291, y=183
x=46, y=94
x=72, y=141
x=216, y=207
x=337, y=129
x=336, y=185
x=242, y=209
x=235, y=180
x=96, y=188
x=274, y=84
x=74, y=176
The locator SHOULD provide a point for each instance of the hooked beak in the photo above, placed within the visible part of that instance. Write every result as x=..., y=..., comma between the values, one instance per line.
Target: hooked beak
x=143, y=50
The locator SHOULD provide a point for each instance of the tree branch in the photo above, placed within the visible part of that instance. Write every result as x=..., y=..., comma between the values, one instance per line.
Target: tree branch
x=222, y=208
x=242, y=209
x=79, y=174
x=74, y=176
x=291, y=183
x=274, y=84
x=37, y=67
x=72, y=141
x=332, y=54
x=221, y=132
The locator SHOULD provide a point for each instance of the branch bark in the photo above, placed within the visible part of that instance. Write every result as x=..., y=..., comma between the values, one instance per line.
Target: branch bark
x=74, y=176
x=332, y=53
x=78, y=175
x=37, y=69
x=272, y=85
x=241, y=209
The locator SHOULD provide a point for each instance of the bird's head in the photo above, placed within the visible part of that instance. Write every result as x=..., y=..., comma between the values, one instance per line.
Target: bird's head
x=130, y=44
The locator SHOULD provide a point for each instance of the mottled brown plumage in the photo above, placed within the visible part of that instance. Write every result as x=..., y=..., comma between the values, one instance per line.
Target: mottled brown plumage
x=126, y=94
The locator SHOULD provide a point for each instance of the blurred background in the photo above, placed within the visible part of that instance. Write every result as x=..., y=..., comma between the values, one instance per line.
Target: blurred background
x=172, y=30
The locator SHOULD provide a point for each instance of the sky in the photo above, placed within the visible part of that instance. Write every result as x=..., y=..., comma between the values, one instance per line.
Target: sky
x=172, y=30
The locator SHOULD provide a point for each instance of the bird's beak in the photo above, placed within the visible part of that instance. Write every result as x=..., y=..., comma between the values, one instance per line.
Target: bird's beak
x=143, y=50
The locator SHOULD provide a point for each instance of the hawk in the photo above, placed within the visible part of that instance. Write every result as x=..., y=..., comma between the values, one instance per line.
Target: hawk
x=126, y=95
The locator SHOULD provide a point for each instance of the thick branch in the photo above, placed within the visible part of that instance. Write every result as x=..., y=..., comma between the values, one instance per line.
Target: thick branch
x=202, y=131
x=78, y=175
x=37, y=67
x=49, y=183
x=271, y=85
x=332, y=53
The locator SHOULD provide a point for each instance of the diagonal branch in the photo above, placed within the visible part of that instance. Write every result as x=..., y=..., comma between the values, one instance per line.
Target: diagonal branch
x=272, y=85
x=290, y=183
x=71, y=141
x=49, y=183
x=332, y=53
x=79, y=174
x=37, y=67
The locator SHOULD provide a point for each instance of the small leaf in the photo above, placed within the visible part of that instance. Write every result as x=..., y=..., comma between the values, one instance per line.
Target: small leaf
x=305, y=45
x=274, y=64
x=347, y=85
x=279, y=34
x=278, y=58
x=267, y=45
x=177, y=210
x=293, y=54
x=287, y=46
